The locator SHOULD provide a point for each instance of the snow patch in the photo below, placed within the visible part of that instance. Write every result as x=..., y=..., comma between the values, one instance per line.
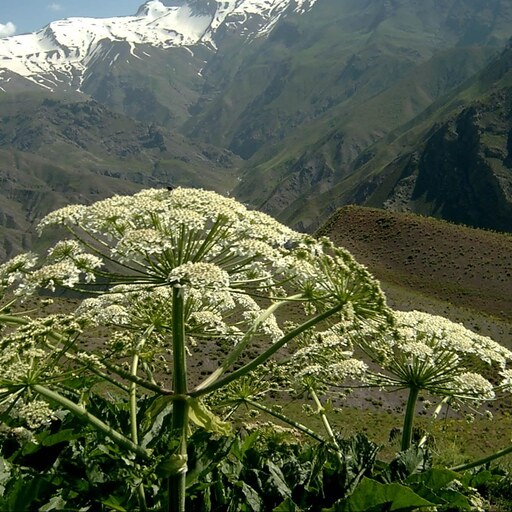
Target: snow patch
x=71, y=45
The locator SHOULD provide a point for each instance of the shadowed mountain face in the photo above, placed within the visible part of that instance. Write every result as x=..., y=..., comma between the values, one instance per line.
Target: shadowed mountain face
x=53, y=153
x=459, y=164
x=296, y=109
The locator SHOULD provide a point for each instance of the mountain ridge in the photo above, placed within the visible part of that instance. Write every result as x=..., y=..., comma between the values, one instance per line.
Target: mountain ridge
x=61, y=53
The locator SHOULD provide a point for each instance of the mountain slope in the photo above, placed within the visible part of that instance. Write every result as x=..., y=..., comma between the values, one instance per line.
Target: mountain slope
x=328, y=102
x=64, y=51
x=456, y=265
x=54, y=153
x=392, y=66
x=456, y=162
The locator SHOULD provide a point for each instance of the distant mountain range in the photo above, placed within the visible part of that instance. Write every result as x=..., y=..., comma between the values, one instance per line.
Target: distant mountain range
x=64, y=53
x=296, y=107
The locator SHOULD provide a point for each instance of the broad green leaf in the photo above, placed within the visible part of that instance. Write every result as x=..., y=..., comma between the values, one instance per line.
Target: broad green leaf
x=481, y=478
x=434, y=478
x=287, y=506
x=252, y=499
x=24, y=494
x=154, y=410
x=374, y=496
x=154, y=419
x=278, y=480
x=409, y=462
x=432, y=485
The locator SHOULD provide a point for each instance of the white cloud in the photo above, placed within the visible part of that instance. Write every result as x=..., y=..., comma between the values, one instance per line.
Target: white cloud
x=7, y=29
x=55, y=7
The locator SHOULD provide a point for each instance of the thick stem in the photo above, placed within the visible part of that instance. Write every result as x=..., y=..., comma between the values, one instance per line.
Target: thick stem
x=484, y=460
x=134, y=431
x=83, y=414
x=409, y=418
x=285, y=419
x=177, y=481
x=321, y=411
x=134, y=427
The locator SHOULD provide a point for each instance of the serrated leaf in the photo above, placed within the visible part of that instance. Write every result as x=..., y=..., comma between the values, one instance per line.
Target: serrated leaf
x=409, y=462
x=252, y=498
x=278, y=481
x=432, y=485
x=434, y=478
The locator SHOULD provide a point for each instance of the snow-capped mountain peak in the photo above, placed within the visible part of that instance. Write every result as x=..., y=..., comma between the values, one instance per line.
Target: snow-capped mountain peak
x=61, y=52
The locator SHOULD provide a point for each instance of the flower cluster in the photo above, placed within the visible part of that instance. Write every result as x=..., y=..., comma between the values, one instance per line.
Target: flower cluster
x=432, y=353
x=323, y=359
x=26, y=352
x=16, y=269
x=211, y=245
x=232, y=267
x=30, y=354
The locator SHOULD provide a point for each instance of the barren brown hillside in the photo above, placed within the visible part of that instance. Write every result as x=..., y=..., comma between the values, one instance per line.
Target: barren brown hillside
x=424, y=263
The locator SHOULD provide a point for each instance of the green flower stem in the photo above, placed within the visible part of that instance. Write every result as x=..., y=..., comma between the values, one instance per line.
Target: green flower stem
x=177, y=481
x=321, y=411
x=285, y=419
x=134, y=427
x=251, y=365
x=83, y=414
x=409, y=417
x=484, y=460
x=240, y=347
x=434, y=416
x=134, y=431
x=118, y=370
x=13, y=320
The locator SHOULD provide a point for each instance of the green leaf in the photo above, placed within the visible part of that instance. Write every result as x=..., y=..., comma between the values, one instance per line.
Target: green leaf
x=158, y=405
x=372, y=496
x=25, y=494
x=287, y=506
x=61, y=436
x=56, y=503
x=434, y=478
x=201, y=416
x=483, y=477
x=433, y=485
x=409, y=462
x=114, y=503
x=252, y=498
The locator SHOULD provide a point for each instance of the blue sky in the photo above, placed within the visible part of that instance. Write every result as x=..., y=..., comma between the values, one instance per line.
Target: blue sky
x=19, y=16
